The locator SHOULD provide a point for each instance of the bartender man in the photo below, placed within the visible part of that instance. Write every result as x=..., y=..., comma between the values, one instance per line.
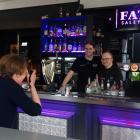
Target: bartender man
x=109, y=70
x=85, y=67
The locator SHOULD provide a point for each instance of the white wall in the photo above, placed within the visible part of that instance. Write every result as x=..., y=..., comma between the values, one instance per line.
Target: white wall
x=105, y=3
x=12, y=4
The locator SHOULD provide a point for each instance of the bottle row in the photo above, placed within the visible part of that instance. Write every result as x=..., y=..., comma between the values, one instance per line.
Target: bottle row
x=105, y=87
x=65, y=30
x=62, y=45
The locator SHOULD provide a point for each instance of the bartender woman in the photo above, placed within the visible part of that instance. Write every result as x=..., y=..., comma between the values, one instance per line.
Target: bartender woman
x=85, y=67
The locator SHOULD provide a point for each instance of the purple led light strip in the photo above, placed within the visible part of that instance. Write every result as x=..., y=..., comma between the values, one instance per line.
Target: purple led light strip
x=119, y=122
x=57, y=113
x=116, y=18
x=54, y=113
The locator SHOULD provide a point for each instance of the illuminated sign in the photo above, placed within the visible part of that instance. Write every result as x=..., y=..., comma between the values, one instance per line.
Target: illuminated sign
x=134, y=67
x=128, y=18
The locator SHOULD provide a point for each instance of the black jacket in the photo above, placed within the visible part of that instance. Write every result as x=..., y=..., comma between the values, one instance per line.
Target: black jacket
x=12, y=96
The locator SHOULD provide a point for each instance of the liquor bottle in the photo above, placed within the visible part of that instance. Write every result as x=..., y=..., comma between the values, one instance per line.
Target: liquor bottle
x=51, y=46
x=59, y=31
x=102, y=84
x=114, y=86
x=67, y=13
x=81, y=30
x=61, y=12
x=64, y=47
x=55, y=45
x=114, y=91
x=74, y=47
x=108, y=84
x=84, y=30
x=88, y=88
x=73, y=31
x=79, y=47
x=77, y=30
x=65, y=30
x=121, y=89
x=79, y=10
x=107, y=88
x=46, y=30
x=70, y=47
x=51, y=31
x=44, y=45
x=69, y=30
x=60, y=45
x=97, y=85
x=55, y=31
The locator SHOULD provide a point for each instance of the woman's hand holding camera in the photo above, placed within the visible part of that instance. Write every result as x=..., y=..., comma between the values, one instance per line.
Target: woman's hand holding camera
x=32, y=77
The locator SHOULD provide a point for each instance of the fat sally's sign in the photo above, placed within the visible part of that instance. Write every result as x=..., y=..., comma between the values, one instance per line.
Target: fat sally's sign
x=128, y=18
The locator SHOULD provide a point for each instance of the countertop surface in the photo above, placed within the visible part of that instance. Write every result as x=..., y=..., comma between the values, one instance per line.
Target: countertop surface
x=113, y=101
x=13, y=134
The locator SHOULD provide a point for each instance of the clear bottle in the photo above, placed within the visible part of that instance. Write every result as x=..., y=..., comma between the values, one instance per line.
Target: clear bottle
x=121, y=89
x=102, y=84
x=88, y=88
x=98, y=89
x=108, y=84
x=107, y=92
x=114, y=91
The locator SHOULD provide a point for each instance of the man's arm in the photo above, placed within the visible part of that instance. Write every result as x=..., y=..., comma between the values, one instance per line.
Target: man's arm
x=67, y=79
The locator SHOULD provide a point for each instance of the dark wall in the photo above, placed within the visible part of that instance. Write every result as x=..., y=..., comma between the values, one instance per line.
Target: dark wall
x=31, y=17
x=27, y=23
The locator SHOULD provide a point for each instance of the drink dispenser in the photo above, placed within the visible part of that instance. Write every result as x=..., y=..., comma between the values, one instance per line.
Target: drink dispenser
x=124, y=50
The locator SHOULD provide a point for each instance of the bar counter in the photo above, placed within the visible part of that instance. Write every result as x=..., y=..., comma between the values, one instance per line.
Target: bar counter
x=112, y=101
x=96, y=117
